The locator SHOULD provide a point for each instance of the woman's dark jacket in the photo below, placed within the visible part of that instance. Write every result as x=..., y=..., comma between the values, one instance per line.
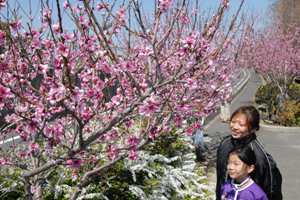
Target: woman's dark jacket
x=266, y=174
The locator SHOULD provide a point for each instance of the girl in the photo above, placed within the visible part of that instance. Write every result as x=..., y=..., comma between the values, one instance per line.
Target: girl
x=241, y=163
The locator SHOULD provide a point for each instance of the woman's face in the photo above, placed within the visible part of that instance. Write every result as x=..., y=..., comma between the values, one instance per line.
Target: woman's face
x=238, y=126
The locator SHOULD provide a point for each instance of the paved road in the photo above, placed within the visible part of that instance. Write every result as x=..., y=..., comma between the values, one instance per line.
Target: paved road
x=283, y=144
x=285, y=148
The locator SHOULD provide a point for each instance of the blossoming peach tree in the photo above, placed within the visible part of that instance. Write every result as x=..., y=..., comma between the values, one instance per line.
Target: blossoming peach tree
x=274, y=53
x=94, y=92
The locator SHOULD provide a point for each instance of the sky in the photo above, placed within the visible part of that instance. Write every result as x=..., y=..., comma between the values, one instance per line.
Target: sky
x=260, y=9
x=257, y=8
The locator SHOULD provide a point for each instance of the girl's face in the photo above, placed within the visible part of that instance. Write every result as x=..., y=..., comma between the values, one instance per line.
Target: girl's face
x=237, y=169
x=239, y=127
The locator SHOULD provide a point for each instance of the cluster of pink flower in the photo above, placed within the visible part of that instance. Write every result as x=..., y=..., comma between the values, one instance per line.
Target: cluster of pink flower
x=164, y=5
x=2, y=3
x=4, y=161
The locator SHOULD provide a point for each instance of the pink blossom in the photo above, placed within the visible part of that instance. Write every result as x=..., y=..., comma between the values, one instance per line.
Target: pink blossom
x=184, y=107
x=164, y=5
x=56, y=27
x=48, y=43
x=66, y=5
x=190, y=41
x=99, y=84
x=132, y=141
x=151, y=105
x=129, y=123
x=86, y=113
x=133, y=154
x=47, y=13
x=128, y=66
x=178, y=121
x=34, y=148
x=91, y=93
x=191, y=84
x=84, y=23
x=203, y=47
x=22, y=154
x=22, y=108
x=143, y=85
x=111, y=135
x=112, y=152
x=105, y=67
x=144, y=52
x=44, y=68
x=68, y=36
x=22, y=132
x=101, y=6
x=190, y=131
x=3, y=65
x=226, y=3
x=116, y=100
x=54, y=133
x=36, y=43
x=2, y=37
x=16, y=25
x=153, y=134
x=121, y=16
x=184, y=19
x=4, y=93
x=63, y=49
x=4, y=161
x=56, y=94
x=74, y=163
x=34, y=189
x=11, y=118
x=2, y=3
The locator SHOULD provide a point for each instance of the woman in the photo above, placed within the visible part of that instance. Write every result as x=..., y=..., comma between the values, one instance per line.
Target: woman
x=244, y=122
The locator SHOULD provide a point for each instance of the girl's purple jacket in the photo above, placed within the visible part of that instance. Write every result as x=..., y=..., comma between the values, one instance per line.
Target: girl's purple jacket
x=247, y=190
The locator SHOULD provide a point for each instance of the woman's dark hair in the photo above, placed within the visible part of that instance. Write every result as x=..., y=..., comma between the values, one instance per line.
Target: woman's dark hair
x=246, y=154
x=251, y=114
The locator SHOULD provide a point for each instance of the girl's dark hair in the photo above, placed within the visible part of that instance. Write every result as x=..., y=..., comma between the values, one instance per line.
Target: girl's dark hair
x=246, y=154
x=251, y=114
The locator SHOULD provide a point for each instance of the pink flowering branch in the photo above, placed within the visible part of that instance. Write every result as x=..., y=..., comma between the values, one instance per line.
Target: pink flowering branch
x=274, y=54
x=103, y=90
x=95, y=24
x=87, y=177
